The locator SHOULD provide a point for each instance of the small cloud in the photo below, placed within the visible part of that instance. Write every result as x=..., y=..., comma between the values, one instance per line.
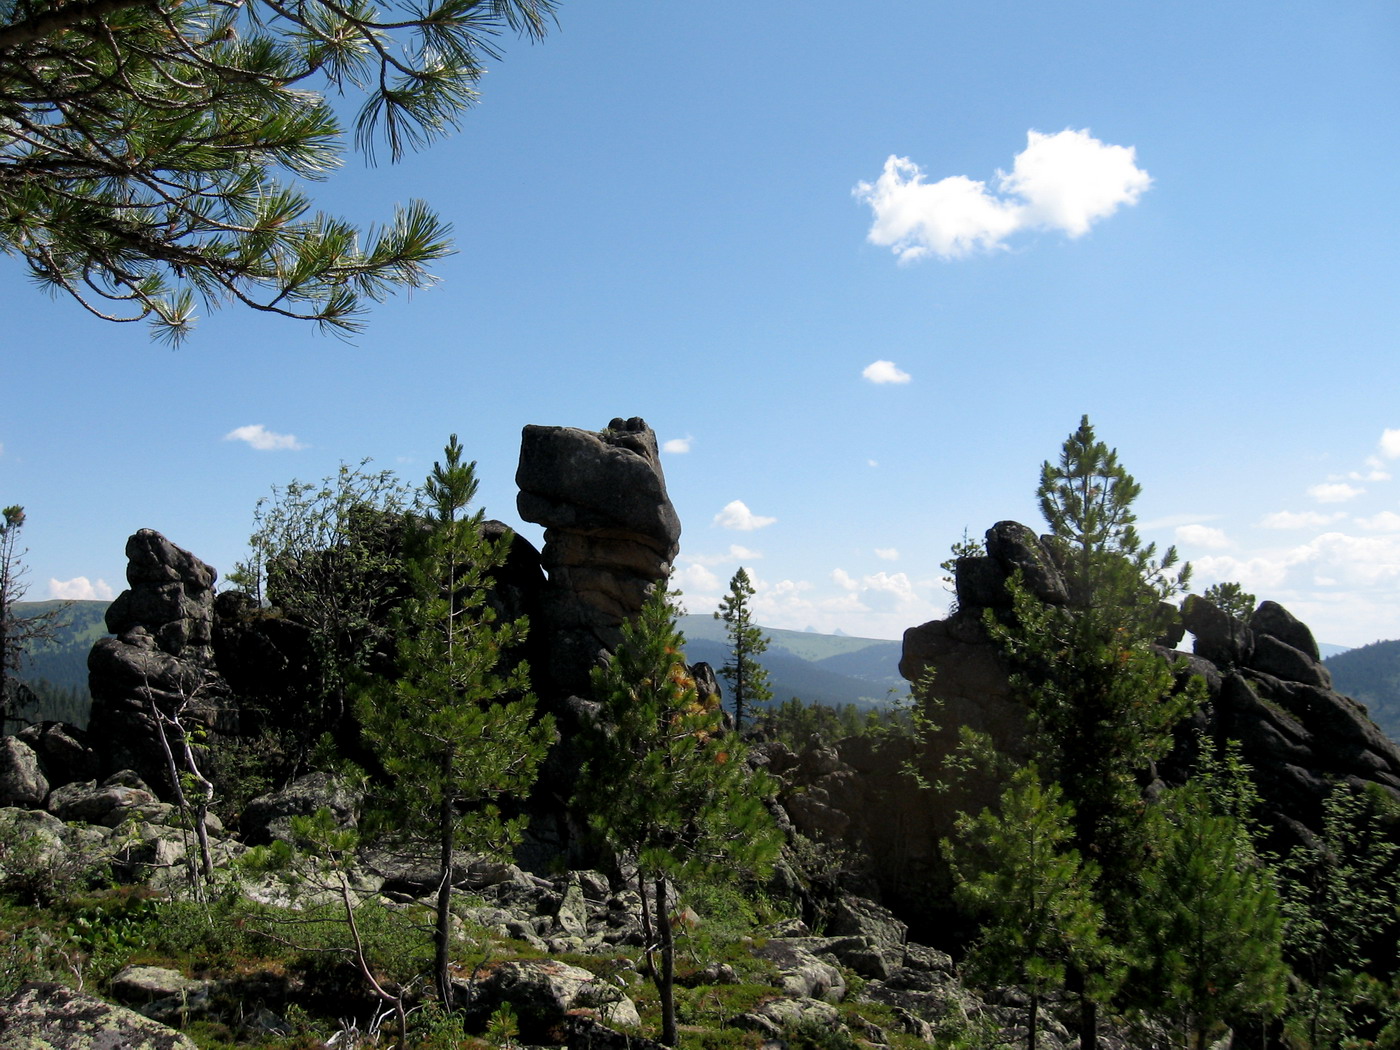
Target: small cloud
x=738, y=517
x=1334, y=492
x=887, y=553
x=264, y=440
x=1385, y=521
x=1202, y=536
x=1390, y=443
x=844, y=580
x=873, y=462
x=1064, y=181
x=885, y=372
x=678, y=445
x=1307, y=519
x=696, y=579
x=735, y=553
x=80, y=589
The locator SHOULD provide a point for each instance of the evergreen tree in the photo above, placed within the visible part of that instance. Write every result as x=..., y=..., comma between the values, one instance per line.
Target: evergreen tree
x=666, y=784
x=747, y=678
x=154, y=151
x=1087, y=500
x=1341, y=902
x=455, y=730
x=1231, y=598
x=1102, y=703
x=1209, y=926
x=1016, y=866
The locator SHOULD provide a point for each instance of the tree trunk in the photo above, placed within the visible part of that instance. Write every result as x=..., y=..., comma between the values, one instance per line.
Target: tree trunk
x=442, y=936
x=1031, y=1019
x=666, y=983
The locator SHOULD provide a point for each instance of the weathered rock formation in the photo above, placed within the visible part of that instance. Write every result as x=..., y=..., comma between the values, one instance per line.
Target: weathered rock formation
x=610, y=535
x=1267, y=686
x=162, y=654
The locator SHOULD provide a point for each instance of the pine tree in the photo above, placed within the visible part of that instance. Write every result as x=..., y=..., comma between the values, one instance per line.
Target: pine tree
x=1209, y=926
x=1341, y=902
x=1017, y=867
x=666, y=784
x=455, y=730
x=1102, y=703
x=747, y=678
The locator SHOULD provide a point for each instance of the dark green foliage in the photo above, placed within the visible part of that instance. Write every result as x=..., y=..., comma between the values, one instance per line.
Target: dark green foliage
x=1341, y=902
x=1087, y=500
x=19, y=634
x=1208, y=920
x=1102, y=703
x=748, y=681
x=1233, y=599
x=1017, y=867
x=663, y=781
x=155, y=153
x=800, y=725
x=330, y=556
x=455, y=728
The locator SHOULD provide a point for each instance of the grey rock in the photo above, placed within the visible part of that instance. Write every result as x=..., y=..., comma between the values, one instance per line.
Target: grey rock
x=21, y=781
x=802, y=974
x=1274, y=657
x=852, y=916
x=46, y=1016
x=63, y=750
x=1220, y=638
x=269, y=816
x=1013, y=546
x=543, y=992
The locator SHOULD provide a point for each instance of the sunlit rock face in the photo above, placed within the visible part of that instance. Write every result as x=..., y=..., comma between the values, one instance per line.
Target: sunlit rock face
x=611, y=534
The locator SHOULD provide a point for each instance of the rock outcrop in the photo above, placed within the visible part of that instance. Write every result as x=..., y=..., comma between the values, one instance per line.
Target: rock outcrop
x=162, y=654
x=610, y=535
x=1267, y=686
x=47, y=1016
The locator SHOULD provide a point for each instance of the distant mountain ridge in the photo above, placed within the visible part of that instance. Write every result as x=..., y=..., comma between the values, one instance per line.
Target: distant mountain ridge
x=1371, y=676
x=816, y=668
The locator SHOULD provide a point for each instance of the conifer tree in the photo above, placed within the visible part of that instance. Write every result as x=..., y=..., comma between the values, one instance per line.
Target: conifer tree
x=1102, y=703
x=665, y=784
x=455, y=730
x=747, y=678
x=1209, y=926
x=1341, y=902
x=1017, y=867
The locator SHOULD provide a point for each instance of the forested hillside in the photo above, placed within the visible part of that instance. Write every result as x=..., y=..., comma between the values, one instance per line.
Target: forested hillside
x=1371, y=675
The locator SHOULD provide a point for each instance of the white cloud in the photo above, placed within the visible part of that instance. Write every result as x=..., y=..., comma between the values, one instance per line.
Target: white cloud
x=737, y=516
x=885, y=372
x=873, y=462
x=80, y=589
x=678, y=445
x=1385, y=521
x=696, y=579
x=1390, y=443
x=887, y=553
x=1202, y=536
x=264, y=440
x=1065, y=181
x=844, y=580
x=1306, y=519
x=1334, y=492
x=735, y=553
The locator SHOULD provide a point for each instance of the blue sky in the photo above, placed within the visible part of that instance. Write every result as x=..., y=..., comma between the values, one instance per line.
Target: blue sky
x=1186, y=228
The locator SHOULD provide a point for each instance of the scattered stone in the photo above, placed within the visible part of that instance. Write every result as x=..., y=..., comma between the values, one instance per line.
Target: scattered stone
x=47, y=1016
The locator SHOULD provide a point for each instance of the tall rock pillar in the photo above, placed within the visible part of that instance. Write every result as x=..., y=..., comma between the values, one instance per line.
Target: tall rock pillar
x=610, y=535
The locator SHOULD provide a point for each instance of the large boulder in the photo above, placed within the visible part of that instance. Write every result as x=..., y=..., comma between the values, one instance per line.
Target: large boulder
x=161, y=655
x=22, y=783
x=611, y=535
x=47, y=1016
x=543, y=992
